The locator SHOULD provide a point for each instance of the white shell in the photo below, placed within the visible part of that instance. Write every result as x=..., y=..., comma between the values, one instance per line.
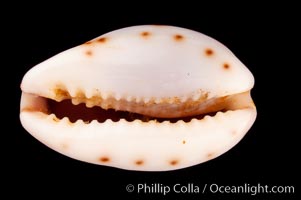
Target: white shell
x=141, y=64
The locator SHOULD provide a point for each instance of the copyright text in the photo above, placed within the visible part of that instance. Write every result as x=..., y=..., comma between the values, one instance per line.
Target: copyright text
x=213, y=188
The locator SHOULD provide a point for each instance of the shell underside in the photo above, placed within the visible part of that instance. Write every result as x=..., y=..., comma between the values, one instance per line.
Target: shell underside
x=149, y=98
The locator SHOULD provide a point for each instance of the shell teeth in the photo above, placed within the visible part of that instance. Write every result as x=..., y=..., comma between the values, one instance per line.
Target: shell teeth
x=122, y=121
x=104, y=106
x=66, y=120
x=138, y=99
x=89, y=103
x=157, y=100
x=76, y=101
x=53, y=117
x=105, y=96
x=171, y=100
x=194, y=121
x=181, y=123
x=222, y=114
x=129, y=98
x=120, y=102
x=196, y=96
x=89, y=94
x=79, y=122
x=93, y=122
x=146, y=100
x=207, y=117
x=72, y=92
x=183, y=99
x=117, y=97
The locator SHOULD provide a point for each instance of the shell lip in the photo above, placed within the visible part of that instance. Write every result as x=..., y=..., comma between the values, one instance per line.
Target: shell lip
x=75, y=111
x=217, y=118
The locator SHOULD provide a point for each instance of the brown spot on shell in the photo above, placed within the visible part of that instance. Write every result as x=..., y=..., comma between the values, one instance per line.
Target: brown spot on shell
x=89, y=53
x=178, y=37
x=60, y=93
x=65, y=146
x=210, y=155
x=55, y=119
x=102, y=39
x=174, y=162
x=226, y=66
x=104, y=159
x=184, y=142
x=145, y=34
x=209, y=52
x=233, y=132
x=88, y=43
x=139, y=162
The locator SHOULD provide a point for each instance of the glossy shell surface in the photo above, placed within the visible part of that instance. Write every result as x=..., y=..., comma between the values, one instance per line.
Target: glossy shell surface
x=155, y=71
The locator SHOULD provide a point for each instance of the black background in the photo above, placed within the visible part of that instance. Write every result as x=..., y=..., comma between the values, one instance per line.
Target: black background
x=261, y=37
